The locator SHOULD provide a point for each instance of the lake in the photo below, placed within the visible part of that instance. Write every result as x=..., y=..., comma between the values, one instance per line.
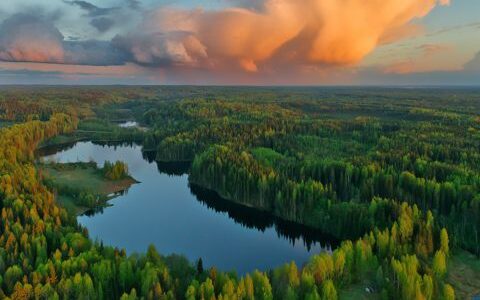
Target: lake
x=164, y=210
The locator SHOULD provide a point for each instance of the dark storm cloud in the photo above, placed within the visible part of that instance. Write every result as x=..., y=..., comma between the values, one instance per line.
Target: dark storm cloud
x=93, y=52
x=102, y=24
x=92, y=10
x=27, y=38
x=134, y=4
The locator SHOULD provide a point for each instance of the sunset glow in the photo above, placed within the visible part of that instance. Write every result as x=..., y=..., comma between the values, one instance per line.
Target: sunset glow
x=240, y=42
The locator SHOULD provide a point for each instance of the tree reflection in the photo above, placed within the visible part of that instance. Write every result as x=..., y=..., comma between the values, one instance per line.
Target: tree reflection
x=261, y=220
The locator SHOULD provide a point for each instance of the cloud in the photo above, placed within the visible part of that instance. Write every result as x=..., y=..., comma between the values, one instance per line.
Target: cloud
x=408, y=30
x=427, y=58
x=134, y=4
x=92, y=52
x=26, y=38
x=264, y=37
x=117, y=70
x=376, y=76
x=102, y=24
x=472, y=25
x=92, y=10
x=473, y=64
x=162, y=49
x=45, y=73
x=249, y=4
x=402, y=67
x=282, y=32
x=433, y=49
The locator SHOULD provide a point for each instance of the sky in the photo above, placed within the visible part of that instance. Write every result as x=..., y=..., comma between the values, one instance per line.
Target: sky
x=240, y=42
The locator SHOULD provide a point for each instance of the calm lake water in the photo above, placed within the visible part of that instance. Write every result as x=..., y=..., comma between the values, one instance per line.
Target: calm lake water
x=165, y=211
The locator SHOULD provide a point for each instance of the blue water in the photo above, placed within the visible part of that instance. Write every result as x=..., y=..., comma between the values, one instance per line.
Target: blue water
x=162, y=210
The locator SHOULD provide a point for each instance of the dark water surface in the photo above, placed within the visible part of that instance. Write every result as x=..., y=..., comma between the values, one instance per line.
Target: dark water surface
x=177, y=218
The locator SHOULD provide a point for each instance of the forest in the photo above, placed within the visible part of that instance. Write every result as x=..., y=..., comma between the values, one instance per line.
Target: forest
x=392, y=173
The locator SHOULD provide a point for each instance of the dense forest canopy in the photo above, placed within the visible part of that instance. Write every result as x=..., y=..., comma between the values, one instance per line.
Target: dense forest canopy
x=394, y=173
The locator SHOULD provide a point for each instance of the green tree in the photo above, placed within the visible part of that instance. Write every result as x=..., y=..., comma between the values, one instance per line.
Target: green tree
x=200, y=266
x=328, y=290
x=444, y=242
x=13, y=275
x=448, y=292
x=439, y=264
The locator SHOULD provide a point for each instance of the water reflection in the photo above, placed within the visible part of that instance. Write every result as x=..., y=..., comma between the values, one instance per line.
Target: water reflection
x=53, y=149
x=176, y=217
x=243, y=215
x=261, y=220
x=100, y=209
x=173, y=168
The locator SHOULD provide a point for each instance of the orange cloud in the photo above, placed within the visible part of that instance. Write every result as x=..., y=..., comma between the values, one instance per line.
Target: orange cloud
x=279, y=35
x=295, y=32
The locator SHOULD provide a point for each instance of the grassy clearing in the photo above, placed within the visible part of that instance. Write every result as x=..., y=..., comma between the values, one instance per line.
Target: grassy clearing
x=82, y=186
x=68, y=203
x=86, y=177
x=464, y=275
x=61, y=140
x=358, y=290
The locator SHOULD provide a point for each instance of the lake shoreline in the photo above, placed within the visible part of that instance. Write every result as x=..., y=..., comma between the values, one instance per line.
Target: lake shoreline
x=220, y=203
x=178, y=220
x=232, y=199
x=71, y=181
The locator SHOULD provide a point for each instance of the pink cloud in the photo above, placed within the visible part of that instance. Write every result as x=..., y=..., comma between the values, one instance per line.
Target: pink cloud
x=286, y=32
x=26, y=38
